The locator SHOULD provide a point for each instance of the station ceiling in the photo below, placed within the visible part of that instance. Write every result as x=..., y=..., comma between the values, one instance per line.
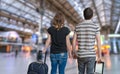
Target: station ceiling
x=106, y=12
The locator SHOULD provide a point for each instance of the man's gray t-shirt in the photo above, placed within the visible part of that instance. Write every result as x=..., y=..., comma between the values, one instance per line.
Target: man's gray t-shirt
x=86, y=32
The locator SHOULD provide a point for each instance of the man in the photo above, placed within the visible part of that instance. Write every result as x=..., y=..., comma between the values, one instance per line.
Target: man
x=86, y=33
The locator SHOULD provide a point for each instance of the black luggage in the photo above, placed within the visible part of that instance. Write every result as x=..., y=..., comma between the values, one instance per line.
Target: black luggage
x=38, y=67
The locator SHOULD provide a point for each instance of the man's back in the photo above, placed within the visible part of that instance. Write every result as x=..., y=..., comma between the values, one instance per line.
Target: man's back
x=86, y=33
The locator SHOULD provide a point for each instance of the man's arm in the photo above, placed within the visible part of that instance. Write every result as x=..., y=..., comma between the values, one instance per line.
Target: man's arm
x=98, y=40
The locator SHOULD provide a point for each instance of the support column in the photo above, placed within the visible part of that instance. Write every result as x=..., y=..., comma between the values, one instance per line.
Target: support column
x=112, y=42
x=41, y=10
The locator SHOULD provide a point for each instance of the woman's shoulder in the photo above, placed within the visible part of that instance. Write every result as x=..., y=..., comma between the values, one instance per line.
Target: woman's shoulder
x=51, y=27
x=65, y=27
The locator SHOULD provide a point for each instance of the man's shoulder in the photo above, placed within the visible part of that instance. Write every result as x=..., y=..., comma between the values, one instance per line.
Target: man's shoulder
x=86, y=23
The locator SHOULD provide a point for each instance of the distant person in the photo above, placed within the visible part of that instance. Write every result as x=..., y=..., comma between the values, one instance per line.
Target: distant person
x=16, y=52
x=86, y=33
x=58, y=38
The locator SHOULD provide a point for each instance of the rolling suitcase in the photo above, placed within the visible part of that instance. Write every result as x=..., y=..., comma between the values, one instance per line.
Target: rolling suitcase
x=98, y=68
x=38, y=67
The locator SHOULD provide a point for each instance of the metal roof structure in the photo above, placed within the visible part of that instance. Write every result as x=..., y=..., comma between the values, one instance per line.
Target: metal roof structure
x=107, y=12
x=28, y=13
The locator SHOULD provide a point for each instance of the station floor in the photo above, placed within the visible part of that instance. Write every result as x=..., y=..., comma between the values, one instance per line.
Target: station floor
x=9, y=64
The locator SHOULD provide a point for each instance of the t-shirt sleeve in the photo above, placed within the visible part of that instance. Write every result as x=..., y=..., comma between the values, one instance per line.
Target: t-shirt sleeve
x=67, y=31
x=97, y=29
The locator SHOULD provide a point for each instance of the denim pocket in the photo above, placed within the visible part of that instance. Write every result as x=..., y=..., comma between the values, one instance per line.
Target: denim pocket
x=63, y=55
x=52, y=55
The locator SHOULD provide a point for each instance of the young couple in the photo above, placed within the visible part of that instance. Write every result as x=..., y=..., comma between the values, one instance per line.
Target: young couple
x=60, y=49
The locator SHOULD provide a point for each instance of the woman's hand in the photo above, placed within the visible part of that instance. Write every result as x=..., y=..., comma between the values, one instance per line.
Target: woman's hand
x=70, y=55
x=44, y=50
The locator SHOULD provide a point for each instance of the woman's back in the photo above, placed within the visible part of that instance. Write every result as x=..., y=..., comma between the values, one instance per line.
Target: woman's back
x=58, y=39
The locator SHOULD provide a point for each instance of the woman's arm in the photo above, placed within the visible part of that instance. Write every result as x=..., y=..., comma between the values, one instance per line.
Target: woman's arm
x=74, y=41
x=47, y=43
x=68, y=45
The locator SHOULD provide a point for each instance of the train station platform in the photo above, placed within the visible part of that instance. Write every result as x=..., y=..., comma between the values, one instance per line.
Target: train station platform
x=9, y=64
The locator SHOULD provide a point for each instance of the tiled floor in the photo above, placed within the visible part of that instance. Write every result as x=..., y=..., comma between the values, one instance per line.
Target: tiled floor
x=9, y=64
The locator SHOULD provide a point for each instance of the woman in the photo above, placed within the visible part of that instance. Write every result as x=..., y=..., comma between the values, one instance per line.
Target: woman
x=58, y=37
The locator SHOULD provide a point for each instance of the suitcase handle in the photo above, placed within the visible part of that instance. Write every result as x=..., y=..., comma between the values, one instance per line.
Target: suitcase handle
x=40, y=56
x=45, y=57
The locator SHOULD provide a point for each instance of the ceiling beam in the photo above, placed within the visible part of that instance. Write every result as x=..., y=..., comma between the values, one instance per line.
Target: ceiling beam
x=15, y=17
x=111, y=16
x=20, y=10
x=20, y=32
x=103, y=3
x=98, y=17
x=61, y=8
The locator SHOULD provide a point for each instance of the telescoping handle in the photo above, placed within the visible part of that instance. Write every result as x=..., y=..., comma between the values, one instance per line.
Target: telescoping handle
x=40, y=56
x=45, y=57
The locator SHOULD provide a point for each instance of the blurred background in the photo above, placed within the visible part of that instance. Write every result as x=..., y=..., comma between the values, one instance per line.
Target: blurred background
x=23, y=25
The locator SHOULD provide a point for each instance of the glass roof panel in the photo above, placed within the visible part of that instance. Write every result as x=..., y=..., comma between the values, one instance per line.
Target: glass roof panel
x=98, y=2
x=20, y=9
x=3, y=24
x=105, y=13
x=4, y=5
x=8, y=1
x=11, y=9
x=17, y=5
x=103, y=8
x=100, y=8
x=108, y=1
x=76, y=6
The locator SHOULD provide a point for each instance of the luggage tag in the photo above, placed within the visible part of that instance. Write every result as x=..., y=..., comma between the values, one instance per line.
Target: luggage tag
x=98, y=68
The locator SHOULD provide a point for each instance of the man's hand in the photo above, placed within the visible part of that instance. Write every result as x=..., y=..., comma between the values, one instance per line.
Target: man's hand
x=99, y=60
x=74, y=54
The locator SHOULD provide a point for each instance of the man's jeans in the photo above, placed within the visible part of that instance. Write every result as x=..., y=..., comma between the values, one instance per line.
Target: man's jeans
x=86, y=64
x=58, y=61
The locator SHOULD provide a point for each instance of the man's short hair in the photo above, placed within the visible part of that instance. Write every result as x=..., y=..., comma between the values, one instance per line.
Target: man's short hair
x=88, y=13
